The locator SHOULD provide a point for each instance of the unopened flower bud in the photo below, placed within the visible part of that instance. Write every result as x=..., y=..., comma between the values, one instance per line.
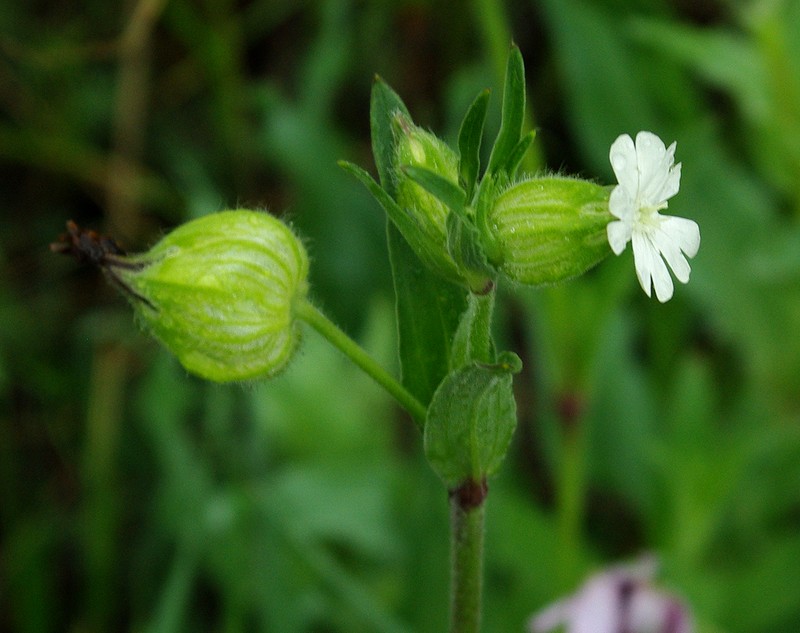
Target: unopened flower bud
x=219, y=292
x=545, y=230
x=419, y=148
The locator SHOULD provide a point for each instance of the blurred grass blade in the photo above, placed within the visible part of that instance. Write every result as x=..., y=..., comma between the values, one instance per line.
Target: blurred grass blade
x=175, y=595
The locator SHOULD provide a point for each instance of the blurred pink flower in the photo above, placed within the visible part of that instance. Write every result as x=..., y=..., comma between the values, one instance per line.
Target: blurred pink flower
x=619, y=600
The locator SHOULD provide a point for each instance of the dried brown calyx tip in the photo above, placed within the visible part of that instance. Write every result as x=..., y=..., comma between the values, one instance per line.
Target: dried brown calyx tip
x=88, y=246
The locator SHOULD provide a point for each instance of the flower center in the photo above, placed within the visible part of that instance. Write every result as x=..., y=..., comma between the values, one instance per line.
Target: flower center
x=647, y=216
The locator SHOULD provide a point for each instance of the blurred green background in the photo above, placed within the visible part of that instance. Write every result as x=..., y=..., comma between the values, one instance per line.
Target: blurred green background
x=136, y=498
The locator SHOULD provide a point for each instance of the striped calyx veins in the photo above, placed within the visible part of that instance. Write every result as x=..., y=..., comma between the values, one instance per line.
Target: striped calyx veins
x=220, y=293
x=545, y=230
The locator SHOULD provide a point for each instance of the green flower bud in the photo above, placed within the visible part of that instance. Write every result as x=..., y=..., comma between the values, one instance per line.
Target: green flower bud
x=418, y=148
x=219, y=292
x=471, y=419
x=545, y=230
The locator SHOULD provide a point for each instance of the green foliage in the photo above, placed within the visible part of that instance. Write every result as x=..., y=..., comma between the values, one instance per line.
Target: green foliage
x=428, y=307
x=504, y=154
x=135, y=497
x=470, y=136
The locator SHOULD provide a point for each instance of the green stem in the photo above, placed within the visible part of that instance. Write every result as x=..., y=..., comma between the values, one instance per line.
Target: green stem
x=473, y=338
x=322, y=324
x=467, y=510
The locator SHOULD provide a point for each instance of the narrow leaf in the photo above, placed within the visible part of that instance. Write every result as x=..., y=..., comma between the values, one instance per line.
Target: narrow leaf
x=384, y=104
x=469, y=141
x=513, y=112
x=427, y=316
x=518, y=153
x=446, y=191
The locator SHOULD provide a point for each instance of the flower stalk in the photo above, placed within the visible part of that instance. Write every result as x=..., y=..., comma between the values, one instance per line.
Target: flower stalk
x=309, y=313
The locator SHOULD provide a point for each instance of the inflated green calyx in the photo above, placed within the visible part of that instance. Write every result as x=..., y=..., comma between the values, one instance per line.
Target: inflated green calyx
x=545, y=230
x=219, y=292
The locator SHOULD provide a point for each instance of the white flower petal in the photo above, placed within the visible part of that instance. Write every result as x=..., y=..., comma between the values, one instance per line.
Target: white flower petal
x=648, y=610
x=622, y=205
x=671, y=252
x=671, y=152
x=650, y=268
x=619, y=234
x=653, y=163
x=685, y=233
x=673, y=181
x=651, y=610
x=662, y=282
x=678, y=265
x=659, y=180
x=650, y=153
x=642, y=260
x=624, y=163
x=596, y=607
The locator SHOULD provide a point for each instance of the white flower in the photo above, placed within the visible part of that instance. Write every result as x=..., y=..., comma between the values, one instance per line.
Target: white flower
x=619, y=600
x=647, y=179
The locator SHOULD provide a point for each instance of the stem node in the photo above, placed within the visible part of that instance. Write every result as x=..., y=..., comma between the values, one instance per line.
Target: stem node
x=466, y=525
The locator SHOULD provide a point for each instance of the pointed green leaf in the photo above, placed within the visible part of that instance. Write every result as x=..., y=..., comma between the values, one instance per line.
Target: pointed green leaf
x=471, y=420
x=518, y=153
x=384, y=104
x=427, y=316
x=445, y=190
x=513, y=112
x=469, y=141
